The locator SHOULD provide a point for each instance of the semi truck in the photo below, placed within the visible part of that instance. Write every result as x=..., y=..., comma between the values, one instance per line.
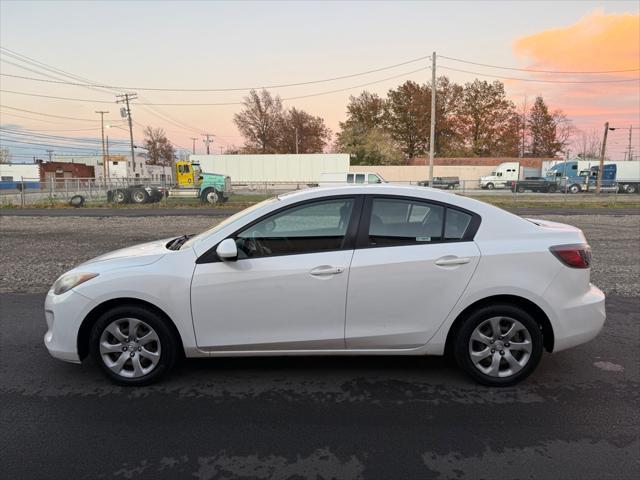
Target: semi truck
x=190, y=182
x=505, y=173
x=577, y=176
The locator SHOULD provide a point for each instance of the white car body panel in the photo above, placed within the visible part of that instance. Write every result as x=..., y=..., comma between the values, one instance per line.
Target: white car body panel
x=398, y=296
x=271, y=303
x=272, y=306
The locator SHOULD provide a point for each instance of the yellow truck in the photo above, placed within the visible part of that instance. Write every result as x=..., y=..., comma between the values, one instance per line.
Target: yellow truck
x=190, y=182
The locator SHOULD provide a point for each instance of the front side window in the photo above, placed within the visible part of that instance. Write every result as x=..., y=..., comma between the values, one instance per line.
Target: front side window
x=373, y=178
x=312, y=227
x=404, y=222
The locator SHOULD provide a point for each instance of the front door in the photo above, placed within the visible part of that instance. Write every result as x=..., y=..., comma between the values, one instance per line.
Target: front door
x=287, y=290
x=412, y=264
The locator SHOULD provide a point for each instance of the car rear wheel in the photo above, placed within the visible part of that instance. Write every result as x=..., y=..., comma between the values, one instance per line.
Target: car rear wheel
x=499, y=345
x=132, y=345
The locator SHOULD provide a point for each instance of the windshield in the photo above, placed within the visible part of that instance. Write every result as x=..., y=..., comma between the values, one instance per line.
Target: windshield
x=231, y=219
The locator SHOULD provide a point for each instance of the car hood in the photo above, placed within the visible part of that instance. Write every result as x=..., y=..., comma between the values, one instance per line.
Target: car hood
x=135, y=256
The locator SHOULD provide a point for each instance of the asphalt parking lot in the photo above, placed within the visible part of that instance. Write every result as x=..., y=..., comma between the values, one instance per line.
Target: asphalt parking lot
x=576, y=417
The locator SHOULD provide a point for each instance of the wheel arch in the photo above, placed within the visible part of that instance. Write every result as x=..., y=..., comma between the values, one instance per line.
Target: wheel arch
x=538, y=314
x=89, y=321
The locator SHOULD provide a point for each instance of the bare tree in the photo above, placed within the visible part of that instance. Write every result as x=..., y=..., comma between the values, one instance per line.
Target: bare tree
x=160, y=151
x=5, y=155
x=259, y=121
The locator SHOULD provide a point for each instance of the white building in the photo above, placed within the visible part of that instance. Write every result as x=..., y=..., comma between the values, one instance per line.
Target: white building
x=15, y=172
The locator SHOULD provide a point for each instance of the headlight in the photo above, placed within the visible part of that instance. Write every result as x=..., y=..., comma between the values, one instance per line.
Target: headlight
x=70, y=280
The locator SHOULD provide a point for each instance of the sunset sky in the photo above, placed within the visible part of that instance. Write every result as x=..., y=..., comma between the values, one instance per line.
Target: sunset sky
x=208, y=45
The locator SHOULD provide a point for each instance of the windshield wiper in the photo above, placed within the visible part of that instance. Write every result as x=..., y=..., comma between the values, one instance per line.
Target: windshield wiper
x=176, y=243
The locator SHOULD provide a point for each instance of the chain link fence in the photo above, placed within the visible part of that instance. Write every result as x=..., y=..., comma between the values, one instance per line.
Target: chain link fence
x=57, y=192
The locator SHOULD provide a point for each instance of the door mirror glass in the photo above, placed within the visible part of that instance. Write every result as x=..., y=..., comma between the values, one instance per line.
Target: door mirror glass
x=227, y=249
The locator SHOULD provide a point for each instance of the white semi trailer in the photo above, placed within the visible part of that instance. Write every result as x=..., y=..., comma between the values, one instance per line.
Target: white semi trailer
x=302, y=168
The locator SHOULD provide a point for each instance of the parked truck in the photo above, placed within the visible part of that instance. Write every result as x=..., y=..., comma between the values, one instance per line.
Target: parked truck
x=577, y=176
x=506, y=172
x=534, y=184
x=190, y=182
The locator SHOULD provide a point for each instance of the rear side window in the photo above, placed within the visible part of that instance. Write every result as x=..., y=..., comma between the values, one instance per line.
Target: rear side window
x=456, y=224
x=359, y=177
x=404, y=222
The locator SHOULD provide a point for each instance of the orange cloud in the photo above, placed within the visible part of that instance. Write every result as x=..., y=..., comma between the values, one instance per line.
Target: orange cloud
x=598, y=41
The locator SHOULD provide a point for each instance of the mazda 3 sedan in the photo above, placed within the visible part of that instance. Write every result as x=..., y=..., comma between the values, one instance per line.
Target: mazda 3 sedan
x=356, y=270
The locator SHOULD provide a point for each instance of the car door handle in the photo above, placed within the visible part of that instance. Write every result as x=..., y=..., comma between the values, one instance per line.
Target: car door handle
x=326, y=270
x=452, y=261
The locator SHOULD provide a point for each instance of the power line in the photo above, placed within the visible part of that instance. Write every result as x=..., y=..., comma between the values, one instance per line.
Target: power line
x=48, y=115
x=55, y=98
x=230, y=89
x=23, y=133
x=536, y=80
x=593, y=72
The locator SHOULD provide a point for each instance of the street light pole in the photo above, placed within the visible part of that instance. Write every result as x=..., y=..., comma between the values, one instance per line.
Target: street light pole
x=602, y=151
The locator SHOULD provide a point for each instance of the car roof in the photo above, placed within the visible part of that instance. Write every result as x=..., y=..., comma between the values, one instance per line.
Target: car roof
x=426, y=193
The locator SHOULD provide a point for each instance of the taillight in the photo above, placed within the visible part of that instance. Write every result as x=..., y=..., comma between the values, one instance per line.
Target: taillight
x=575, y=255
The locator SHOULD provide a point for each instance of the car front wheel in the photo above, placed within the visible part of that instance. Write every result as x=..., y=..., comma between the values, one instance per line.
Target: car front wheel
x=133, y=345
x=499, y=345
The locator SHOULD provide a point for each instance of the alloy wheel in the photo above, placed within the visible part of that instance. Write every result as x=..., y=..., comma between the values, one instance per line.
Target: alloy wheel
x=500, y=347
x=130, y=348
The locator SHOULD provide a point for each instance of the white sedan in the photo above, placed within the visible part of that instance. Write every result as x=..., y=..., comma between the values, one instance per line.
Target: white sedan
x=357, y=270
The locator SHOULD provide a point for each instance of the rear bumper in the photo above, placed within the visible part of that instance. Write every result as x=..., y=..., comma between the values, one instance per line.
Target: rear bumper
x=579, y=321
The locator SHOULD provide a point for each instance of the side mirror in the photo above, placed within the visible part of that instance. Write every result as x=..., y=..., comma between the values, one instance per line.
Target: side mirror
x=227, y=250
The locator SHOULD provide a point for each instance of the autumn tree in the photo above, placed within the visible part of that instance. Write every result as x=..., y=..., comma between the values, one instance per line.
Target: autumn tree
x=160, y=151
x=550, y=132
x=449, y=132
x=363, y=134
x=309, y=132
x=259, y=121
x=490, y=119
x=5, y=155
x=407, y=117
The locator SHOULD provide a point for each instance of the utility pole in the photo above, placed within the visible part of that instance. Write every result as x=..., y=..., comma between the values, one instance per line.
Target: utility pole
x=629, y=148
x=104, y=162
x=50, y=152
x=207, y=141
x=108, y=173
x=296, y=140
x=193, y=139
x=524, y=124
x=602, y=151
x=125, y=98
x=432, y=133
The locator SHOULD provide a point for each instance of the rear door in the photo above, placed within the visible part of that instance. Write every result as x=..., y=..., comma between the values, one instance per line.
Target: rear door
x=412, y=263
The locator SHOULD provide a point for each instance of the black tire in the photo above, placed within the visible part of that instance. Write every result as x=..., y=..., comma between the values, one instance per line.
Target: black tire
x=490, y=186
x=521, y=189
x=631, y=188
x=76, y=201
x=210, y=195
x=139, y=196
x=168, y=343
x=120, y=196
x=552, y=189
x=575, y=188
x=477, y=318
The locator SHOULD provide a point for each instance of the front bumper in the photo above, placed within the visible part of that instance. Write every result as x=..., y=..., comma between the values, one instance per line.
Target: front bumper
x=580, y=321
x=64, y=314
